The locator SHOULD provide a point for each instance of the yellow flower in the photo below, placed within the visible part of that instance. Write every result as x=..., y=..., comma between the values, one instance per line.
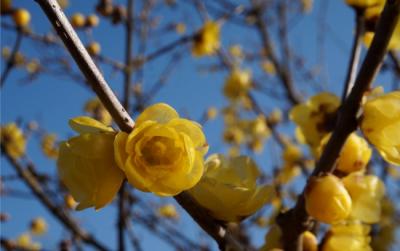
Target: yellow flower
x=350, y=237
x=237, y=84
x=268, y=67
x=236, y=51
x=13, y=140
x=95, y=108
x=21, y=17
x=38, y=226
x=86, y=164
x=354, y=156
x=366, y=193
x=168, y=211
x=315, y=117
x=381, y=125
x=163, y=154
x=207, y=41
x=24, y=241
x=229, y=189
x=49, y=146
x=327, y=199
x=180, y=28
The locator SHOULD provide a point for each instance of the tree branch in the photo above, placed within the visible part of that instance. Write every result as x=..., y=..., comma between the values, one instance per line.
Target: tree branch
x=11, y=61
x=296, y=220
x=122, y=118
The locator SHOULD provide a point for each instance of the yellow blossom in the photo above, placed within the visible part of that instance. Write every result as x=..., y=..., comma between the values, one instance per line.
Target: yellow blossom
x=21, y=17
x=95, y=108
x=366, y=192
x=24, y=241
x=354, y=156
x=49, y=145
x=207, y=41
x=268, y=67
x=228, y=188
x=13, y=140
x=69, y=201
x=315, y=117
x=38, y=226
x=164, y=153
x=168, y=211
x=380, y=124
x=349, y=236
x=86, y=164
x=236, y=51
x=327, y=199
x=212, y=113
x=237, y=84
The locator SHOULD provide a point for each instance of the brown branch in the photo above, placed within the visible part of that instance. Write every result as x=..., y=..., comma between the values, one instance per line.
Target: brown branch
x=125, y=123
x=296, y=220
x=11, y=61
x=284, y=76
x=71, y=40
x=34, y=185
x=355, y=53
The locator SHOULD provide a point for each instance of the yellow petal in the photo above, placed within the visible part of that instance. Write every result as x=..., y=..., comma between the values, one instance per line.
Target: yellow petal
x=85, y=124
x=120, y=154
x=136, y=177
x=191, y=129
x=161, y=113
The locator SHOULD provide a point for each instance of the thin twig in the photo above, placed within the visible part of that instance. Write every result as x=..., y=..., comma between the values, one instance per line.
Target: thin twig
x=355, y=53
x=11, y=61
x=35, y=187
x=296, y=220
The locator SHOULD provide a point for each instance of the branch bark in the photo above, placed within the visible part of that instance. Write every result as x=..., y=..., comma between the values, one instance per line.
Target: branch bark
x=296, y=220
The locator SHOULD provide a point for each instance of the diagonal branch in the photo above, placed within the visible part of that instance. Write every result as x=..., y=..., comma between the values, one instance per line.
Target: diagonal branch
x=74, y=45
x=296, y=220
x=11, y=61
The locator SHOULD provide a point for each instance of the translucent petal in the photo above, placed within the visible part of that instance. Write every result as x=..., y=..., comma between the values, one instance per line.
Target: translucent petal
x=160, y=112
x=120, y=154
x=85, y=124
x=191, y=129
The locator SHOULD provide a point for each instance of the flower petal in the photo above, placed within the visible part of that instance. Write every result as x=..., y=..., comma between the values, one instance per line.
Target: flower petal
x=161, y=113
x=85, y=124
x=120, y=154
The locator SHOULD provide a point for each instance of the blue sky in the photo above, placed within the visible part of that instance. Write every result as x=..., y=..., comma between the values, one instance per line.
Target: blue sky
x=52, y=100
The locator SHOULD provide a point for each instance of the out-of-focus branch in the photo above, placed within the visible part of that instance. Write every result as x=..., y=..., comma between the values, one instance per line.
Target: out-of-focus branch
x=355, y=53
x=296, y=220
x=34, y=185
x=11, y=61
x=72, y=42
x=125, y=123
x=285, y=77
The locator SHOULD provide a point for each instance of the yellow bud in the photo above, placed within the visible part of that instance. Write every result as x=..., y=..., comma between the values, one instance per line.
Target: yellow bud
x=237, y=84
x=13, y=140
x=49, y=145
x=21, y=17
x=93, y=48
x=310, y=242
x=327, y=199
x=212, y=113
x=33, y=66
x=236, y=51
x=275, y=116
x=69, y=201
x=180, y=28
x=168, y=211
x=92, y=20
x=38, y=226
x=78, y=20
x=268, y=67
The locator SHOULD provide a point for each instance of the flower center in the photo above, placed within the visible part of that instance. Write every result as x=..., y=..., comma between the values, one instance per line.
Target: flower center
x=161, y=151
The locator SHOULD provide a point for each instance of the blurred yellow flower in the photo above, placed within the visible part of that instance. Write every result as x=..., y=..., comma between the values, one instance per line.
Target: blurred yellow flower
x=86, y=164
x=268, y=67
x=164, y=153
x=236, y=51
x=168, y=211
x=354, y=156
x=380, y=124
x=366, y=192
x=180, y=28
x=315, y=118
x=207, y=40
x=327, y=199
x=38, y=226
x=49, y=145
x=95, y=109
x=13, y=140
x=229, y=188
x=24, y=241
x=237, y=84
x=351, y=236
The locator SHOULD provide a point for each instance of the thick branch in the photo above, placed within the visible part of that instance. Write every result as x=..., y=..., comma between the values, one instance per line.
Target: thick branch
x=296, y=220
